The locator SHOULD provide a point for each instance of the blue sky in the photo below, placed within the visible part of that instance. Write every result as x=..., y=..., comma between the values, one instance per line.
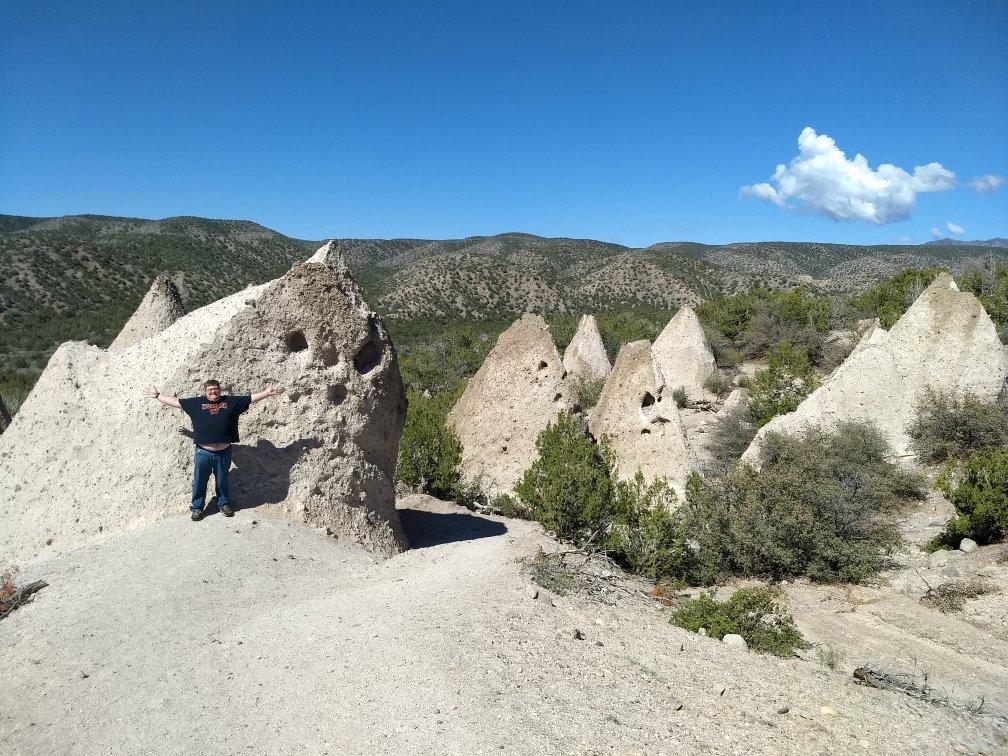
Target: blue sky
x=634, y=122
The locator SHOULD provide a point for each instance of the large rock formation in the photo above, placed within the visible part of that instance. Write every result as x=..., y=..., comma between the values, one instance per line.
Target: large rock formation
x=683, y=355
x=638, y=415
x=161, y=307
x=585, y=356
x=88, y=454
x=945, y=341
x=518, y=390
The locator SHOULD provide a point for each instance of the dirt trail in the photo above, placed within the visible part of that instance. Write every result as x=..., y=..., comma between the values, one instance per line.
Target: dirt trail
x=254, y=635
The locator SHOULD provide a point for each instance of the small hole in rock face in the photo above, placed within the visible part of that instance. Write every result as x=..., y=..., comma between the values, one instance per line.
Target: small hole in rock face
x=337, y=394
x=543, y=365
x=296, y=341
x=503, y=448
x=645, y=431
x=648, y=400
x=368, y=357
x=558, y=397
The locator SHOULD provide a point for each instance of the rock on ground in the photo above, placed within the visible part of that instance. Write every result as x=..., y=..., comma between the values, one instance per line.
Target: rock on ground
x=89, y=455
x=638, y=415
x=160, y=307
x=585, y=356
x=683, y=355
x=210, y=638
x=945, y=341
x=518, y=390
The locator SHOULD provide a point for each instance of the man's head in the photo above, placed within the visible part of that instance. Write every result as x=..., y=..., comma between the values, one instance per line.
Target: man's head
x=211, y=389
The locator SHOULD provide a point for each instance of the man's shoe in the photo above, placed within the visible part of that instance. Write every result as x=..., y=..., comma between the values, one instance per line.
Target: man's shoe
x=226, y=511
x=196, y=516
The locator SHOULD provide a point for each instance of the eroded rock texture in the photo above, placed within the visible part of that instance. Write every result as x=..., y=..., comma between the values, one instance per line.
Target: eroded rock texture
x=683, y=355
x=585, y=356
x=160, y=307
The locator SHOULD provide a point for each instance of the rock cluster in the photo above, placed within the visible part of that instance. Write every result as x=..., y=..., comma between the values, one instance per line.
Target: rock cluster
x=518, y=390
x=160, y=307
x=945, y=341
x=585, y=356
x=88, y=454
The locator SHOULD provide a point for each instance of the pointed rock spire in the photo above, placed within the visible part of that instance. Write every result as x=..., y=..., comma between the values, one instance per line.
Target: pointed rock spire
x=585, y=356
x=160, y=307
x=683, y=354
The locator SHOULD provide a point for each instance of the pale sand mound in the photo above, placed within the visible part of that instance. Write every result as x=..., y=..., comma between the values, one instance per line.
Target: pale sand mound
x=945, y=341
x=518, y=390
x=638, y=415
x=585, y=356
x=88, y=454
x=683, y=355
x=209, y=638
x=159, y=308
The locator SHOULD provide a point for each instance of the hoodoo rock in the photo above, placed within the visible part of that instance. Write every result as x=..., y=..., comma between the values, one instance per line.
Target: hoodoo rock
x=585, y=356
x=518, y=390
x=683, y=355
x=159, y=308
x=945, y=341
x=88, y=454
x=639, y=417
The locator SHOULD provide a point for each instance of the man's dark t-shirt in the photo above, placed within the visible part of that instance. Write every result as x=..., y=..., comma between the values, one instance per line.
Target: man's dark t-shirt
x=215, y=422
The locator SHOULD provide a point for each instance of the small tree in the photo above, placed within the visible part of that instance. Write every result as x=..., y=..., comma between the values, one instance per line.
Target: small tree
x=979, y=492
x=788, y=378
x=569, y=488
x=430, y=453
x=646, y=536
x=951, y=426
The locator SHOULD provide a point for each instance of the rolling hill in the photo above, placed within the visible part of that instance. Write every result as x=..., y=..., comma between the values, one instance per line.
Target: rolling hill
x=80, y=277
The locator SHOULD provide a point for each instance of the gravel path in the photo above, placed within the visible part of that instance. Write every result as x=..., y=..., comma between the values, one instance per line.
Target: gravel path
x=252, y=635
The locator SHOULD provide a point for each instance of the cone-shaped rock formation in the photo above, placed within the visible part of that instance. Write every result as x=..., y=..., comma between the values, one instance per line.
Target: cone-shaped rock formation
x=945, y=341
x=638, y=415
x=683, y=355
x=518, y=390
x=89, y=454
x=160, y=307
x=585, y=356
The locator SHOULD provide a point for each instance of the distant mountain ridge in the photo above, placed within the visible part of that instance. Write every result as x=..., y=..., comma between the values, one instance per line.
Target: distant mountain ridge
x=997, y=241
x=80, y=277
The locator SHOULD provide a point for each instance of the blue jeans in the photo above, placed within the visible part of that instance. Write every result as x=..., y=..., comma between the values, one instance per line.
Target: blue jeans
x=204, y=463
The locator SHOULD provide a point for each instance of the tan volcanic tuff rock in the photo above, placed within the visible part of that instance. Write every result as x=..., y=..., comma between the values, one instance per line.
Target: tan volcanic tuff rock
x=88, y=454
x=160, y=307
x=518, y=390
x=638, y=415
x=585, y=356
x=683, y=355
x=945, y=340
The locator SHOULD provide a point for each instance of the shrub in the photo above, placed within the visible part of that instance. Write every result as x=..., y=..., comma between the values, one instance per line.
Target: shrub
x=752, y=613
x=820, y=506
x=430, y=453
x=788, y=378
x=438, y=364
x=951, y=426
x=645, y=536
x=953, y=595
x=679, y=396
x=569, y=488
x=729, y=439
x=718, y=383
x=588, y=391
x=979, y=493
x=829, y=656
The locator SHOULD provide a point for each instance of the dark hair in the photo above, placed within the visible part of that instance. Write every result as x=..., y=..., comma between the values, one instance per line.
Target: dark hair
x=210, y=383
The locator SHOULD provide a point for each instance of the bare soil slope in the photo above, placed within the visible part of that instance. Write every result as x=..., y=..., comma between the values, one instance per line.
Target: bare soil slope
x=253, y=635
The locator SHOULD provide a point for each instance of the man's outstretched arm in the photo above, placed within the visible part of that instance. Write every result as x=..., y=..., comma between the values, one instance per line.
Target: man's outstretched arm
x=260, y=395
x=167, y=401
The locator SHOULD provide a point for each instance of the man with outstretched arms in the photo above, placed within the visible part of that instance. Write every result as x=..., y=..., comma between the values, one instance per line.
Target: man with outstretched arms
x=215, y=427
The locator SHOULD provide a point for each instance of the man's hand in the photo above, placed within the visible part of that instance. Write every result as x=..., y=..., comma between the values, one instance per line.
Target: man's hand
x=168, y=401
x=273, y=391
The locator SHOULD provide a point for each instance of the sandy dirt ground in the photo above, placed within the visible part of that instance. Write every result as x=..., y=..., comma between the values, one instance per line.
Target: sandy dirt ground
x=253, y=635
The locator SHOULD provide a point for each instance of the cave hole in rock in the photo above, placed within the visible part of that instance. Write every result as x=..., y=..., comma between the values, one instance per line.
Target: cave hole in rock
x=295, y=341
x=645, y=431
x=557, y=398
x=542, y=365
x=368, y=357
x=648, y=400
x=337, y=394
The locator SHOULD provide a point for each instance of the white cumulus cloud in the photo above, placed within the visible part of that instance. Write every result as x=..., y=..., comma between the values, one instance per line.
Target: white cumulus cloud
x=987, y=184
x=821, y=179
x=954, y=228
x=936, y=232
